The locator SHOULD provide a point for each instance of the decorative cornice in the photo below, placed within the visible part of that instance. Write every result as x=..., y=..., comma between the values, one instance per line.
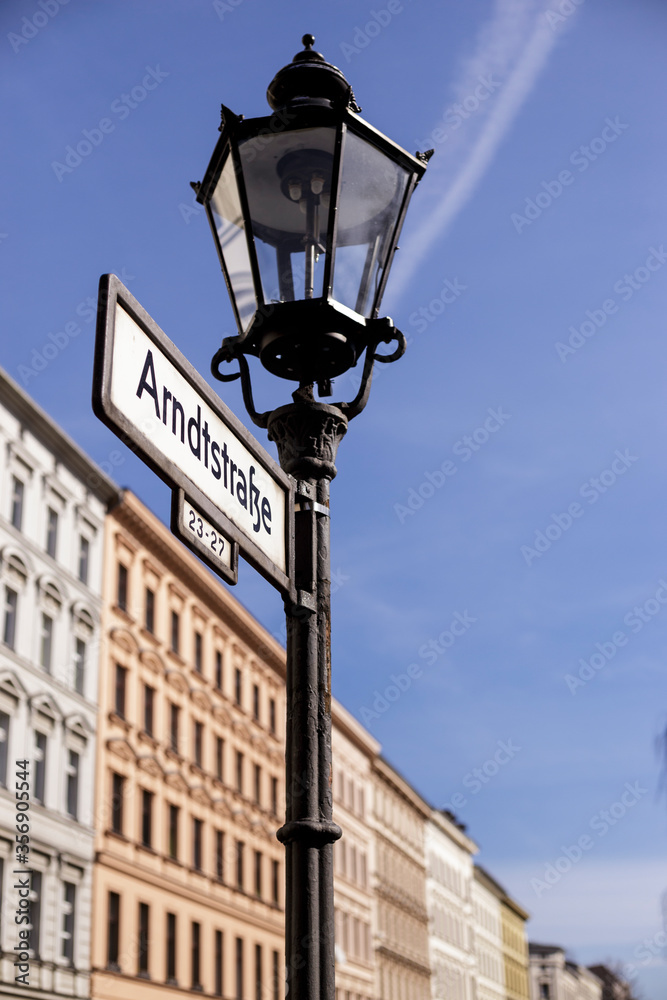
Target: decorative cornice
x=120, y=747
x=410, y=963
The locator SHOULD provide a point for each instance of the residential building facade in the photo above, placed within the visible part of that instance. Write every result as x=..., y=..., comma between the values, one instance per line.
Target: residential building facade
x=488, y=932
x=515, y=948
x=354, y=750
x=614, y=985
x=554, y=977
x=449, y=876
x=189, y=879
x=402, y=951
x=53, y=501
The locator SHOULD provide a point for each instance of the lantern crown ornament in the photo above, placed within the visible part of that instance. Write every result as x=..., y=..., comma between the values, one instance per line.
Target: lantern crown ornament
x=306, y=206
x=311, y=79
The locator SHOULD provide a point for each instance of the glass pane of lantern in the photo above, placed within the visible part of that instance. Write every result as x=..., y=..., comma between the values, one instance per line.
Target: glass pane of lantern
x=228, y=218
x=371, y=194
x=288, y=182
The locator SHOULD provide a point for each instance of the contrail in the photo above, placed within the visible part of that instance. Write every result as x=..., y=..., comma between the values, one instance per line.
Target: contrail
x=514, y=46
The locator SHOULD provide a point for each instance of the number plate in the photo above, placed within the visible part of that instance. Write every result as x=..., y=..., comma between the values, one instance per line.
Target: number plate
x=206, y=540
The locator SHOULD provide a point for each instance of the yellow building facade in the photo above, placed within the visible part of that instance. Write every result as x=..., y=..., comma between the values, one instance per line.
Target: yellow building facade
x=515, y=949
x=189, y=876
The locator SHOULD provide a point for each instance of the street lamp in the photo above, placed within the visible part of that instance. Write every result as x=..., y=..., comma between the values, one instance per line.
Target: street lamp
x=306, y=206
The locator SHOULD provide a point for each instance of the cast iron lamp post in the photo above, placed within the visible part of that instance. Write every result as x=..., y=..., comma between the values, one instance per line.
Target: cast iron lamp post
x=306, y=206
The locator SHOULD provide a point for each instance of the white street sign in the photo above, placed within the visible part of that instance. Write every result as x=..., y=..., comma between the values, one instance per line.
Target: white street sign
x=147, y=392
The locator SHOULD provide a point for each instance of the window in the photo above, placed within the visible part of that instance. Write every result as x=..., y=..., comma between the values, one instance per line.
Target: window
x=239, y=968
x=218, y=963
x=198, y=740
x=239, y=772
x=173, y=830
x=149, y=610
x=220, y=855
x=34, y=940
x=544, y=991
x=4, y=746
x=175, y=628
x=255, y=702
x=196, y=935
x=258, y=873
x=144, y=940
x=17, y=503
x=9, y=629
x=46, y=642
x=69, y=916
x=218, y=669
x=258, y=972
x=121, y=594
x=173, y=726
x=113, y=931
x=219, y=758
x=237, y=686
x=276, y=976
x=149, y=704
x=40, y=767
x=257, y=782
x=117, y=799
x=73, y=784
x=121, y=687
x=239, y=864
x=275, y=880
x=274, y=796
x=51, y=532
x=171, y=949
x=196, y=843
x=79, y=665
x=146, y=817
x=272, y=715
x=199, y=642
x=84, y=558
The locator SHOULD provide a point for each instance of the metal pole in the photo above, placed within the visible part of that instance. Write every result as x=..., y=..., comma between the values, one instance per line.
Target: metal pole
x=307, y=434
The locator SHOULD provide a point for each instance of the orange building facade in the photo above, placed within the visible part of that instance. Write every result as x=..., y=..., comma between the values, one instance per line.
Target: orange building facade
x=188, y=879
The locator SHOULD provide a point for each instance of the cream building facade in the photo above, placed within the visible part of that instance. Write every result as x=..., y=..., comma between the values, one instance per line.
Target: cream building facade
x=354, y=750
x=53, y=501
x=488, y=931
x=449, y=877
x=188, y=889
x=402, y=952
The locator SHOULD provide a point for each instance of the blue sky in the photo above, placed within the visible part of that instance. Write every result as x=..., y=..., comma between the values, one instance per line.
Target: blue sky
x=544, y=210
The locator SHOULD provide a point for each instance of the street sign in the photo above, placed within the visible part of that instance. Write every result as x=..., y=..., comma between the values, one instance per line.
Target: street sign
x=205, y=539
x=147, y=392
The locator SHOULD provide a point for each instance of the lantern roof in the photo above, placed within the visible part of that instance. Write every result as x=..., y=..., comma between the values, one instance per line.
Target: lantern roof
x=310, y=79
